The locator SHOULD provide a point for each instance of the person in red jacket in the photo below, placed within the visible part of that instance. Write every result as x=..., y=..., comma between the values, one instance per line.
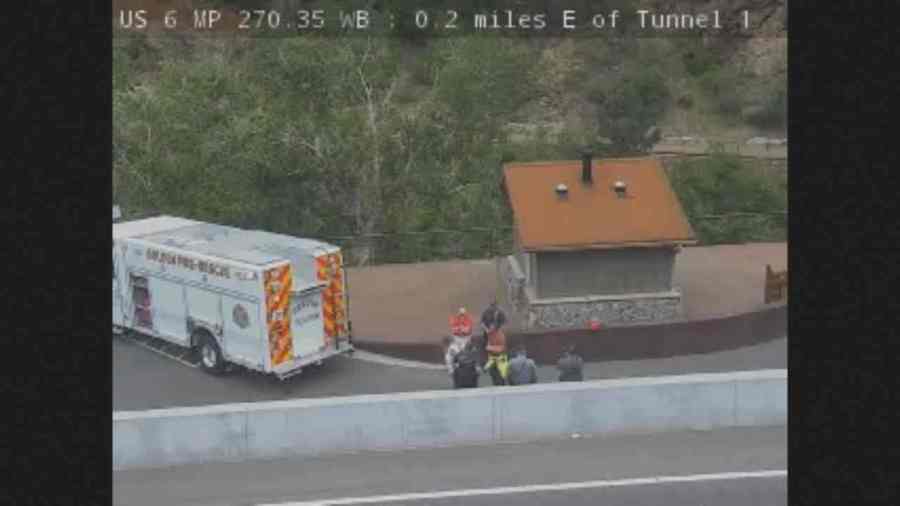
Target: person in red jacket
x=461, y=324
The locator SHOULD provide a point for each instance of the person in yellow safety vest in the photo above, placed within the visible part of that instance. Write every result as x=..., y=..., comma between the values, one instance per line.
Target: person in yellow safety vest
x=497, y=364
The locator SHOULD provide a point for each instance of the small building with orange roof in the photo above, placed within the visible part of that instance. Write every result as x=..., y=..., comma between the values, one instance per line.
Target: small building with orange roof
x=594, y=240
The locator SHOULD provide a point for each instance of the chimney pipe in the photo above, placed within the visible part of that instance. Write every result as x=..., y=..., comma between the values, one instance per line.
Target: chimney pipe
x=586, y=162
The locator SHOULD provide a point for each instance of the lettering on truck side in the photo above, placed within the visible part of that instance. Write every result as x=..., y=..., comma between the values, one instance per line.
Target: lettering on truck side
x=189, y=263
x=308, y=304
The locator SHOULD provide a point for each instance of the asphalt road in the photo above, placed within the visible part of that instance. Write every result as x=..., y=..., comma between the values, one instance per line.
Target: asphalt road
x=733, y=467
x=145, y=380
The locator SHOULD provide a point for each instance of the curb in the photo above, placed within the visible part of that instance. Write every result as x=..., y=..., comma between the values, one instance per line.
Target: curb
x=375, y=358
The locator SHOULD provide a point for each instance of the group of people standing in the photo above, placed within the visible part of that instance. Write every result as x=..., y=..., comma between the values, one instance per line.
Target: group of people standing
x=467, y=357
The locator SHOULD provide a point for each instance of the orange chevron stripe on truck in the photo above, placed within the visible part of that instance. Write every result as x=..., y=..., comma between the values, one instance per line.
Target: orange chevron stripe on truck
x=278, y=283
x=329, y=272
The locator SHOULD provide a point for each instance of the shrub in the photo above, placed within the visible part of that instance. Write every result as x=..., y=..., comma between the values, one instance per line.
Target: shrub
x=698, y=59
x=771, y=112
x=724, y=88
x=712, y=190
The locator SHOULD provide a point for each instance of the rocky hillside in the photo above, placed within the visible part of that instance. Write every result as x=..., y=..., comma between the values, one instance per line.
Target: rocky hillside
x=720, y=88
x=332, y=136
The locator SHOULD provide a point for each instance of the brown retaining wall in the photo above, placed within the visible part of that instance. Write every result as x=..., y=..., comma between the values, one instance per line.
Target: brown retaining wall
x=624, y=342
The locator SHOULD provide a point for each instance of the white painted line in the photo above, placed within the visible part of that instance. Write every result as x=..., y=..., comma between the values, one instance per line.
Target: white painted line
x=161, y=353
x=656, y=480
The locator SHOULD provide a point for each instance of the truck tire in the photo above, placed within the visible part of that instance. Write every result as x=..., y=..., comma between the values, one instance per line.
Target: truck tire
x=211, y=359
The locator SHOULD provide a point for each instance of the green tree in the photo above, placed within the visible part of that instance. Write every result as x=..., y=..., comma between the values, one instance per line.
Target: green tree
x=727, y=202
x=631, y=107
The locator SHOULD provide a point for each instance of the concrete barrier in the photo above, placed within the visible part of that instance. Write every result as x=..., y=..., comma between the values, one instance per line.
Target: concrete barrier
x=622, y=342
x=309, y=427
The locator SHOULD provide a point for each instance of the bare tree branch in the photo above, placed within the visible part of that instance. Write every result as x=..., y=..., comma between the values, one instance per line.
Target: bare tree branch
x=389, y=93
x=315, y=148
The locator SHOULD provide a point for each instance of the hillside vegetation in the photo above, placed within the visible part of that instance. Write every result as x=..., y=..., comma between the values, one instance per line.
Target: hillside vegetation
x=353, y=136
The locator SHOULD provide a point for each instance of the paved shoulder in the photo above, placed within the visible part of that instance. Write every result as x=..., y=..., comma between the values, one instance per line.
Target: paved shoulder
x=144, y=380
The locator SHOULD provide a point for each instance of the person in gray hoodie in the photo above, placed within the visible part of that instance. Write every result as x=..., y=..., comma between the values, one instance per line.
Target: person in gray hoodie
x=522, y=370
x=570, y=365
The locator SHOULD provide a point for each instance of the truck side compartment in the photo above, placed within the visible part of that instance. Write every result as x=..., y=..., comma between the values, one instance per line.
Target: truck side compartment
x=168, y=307
x=203, y=312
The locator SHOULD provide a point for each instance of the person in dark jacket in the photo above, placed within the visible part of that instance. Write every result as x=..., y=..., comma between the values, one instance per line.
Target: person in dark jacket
x=522, y=370
x=465, y=367
x=493, y=318
x=570, y=365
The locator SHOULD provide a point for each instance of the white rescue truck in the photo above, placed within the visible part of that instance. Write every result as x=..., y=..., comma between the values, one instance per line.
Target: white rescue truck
x=268, y=302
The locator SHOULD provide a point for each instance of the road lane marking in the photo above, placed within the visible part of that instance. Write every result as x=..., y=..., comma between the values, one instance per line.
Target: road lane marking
x=656, y=480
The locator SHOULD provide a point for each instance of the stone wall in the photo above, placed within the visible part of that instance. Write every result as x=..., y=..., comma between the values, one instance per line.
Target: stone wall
x=566, y=314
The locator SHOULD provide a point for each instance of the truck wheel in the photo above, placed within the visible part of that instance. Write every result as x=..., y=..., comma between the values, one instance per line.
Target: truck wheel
x=210, y=355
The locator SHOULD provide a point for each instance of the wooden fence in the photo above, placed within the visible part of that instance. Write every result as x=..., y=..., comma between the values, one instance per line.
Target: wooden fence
x=776, y=285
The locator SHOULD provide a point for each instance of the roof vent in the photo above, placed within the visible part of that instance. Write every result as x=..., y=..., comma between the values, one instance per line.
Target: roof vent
x=620, y=188
x=562, y=190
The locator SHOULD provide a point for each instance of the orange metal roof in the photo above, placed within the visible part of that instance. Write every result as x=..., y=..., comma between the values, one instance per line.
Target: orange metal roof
x=593, y=216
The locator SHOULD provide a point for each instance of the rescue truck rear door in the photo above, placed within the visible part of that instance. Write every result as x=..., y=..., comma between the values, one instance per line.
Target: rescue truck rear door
x=306, y=322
